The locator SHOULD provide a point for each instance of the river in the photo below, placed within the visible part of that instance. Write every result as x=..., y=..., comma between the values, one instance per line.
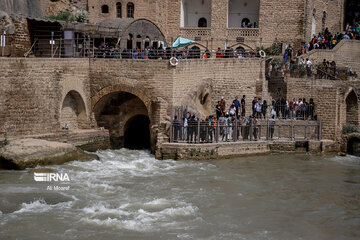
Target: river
x=130, y=195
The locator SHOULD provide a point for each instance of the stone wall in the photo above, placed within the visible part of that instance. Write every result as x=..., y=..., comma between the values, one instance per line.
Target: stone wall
x=346, y=54
x=218, y=78
x=33, y=91
x=330, y=101
x=314, y=16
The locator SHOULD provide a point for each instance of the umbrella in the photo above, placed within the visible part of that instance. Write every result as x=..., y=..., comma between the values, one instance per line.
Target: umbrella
x=182, y=42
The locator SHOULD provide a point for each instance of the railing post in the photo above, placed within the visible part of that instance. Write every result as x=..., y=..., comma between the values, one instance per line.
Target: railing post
x=171, y=131
x=320, y=130
x=279, y=131
x=305, y=131
x=251, y=130
x=259, y=133
x=292, y=130
x=217, y=131
x=207, y=131
x=236, y=131
x=60, y=50
x=198, y=131
x=267, y=130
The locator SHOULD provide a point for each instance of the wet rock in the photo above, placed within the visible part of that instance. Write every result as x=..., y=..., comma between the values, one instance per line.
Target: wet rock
x=29, y=153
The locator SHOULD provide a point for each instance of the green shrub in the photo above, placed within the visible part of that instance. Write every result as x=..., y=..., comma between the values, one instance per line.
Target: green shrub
x=276, y=48
x=67, y=16
x=81, y=18
x=349, y=128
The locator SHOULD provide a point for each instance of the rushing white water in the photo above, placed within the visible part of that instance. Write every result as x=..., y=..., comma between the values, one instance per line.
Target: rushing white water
x=130, y=195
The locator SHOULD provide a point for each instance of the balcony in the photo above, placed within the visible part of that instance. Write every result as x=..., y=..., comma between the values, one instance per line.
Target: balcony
x=246, y=33
x=191, y=33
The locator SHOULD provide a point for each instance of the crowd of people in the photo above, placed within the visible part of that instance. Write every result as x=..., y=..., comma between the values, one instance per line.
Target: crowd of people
x=167, y=53
x=327, y=40
x=234, y=123
x=281, y=108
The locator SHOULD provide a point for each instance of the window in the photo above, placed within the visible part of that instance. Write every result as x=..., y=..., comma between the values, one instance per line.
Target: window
x=202, y=22
x=118, y=10
x=105, y=9
x=130, y=10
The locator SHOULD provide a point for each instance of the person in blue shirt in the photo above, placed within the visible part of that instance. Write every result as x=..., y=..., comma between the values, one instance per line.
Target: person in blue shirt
x=237, y=105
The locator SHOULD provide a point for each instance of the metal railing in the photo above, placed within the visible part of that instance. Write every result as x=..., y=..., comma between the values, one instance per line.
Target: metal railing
x=201, y=132
x=316, y=71
x=85, y=48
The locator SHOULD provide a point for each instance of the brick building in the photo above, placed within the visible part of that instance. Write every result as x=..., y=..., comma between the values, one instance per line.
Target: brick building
x=223, y=23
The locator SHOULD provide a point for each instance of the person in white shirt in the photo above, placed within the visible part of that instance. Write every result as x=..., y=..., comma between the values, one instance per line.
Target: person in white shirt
x=308, y=67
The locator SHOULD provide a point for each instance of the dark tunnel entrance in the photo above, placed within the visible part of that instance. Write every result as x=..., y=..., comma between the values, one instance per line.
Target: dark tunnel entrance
x=353, y=146
x=126, y=117
x=137, y=133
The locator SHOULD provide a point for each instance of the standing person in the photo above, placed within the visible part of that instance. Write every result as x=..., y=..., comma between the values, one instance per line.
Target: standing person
x=185, y=126
x=283, y=107
x=218, y=110
x=253, y=105
x=278, y=107
x=255, y=128
x=232, y=110
x=219, y=53
x=176, y=128
x=271, y=126
x=308, y=67
x=192, y=130
x=223, y=104
x=237, y=105
x=264, y=108
x=243, y=111
x=311, y=108
x=291, y=108
x=258, y=108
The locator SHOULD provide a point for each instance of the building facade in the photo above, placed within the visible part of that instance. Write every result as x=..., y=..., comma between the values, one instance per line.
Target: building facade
x=223, y=23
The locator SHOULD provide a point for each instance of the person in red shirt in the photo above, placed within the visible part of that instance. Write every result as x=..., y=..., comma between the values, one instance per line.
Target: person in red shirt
x=219, y=53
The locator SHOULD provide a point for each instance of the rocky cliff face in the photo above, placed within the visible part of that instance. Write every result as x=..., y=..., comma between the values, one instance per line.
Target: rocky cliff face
x=25, y=7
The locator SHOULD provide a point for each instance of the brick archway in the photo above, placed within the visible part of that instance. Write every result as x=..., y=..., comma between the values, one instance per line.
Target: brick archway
x=73, y=111
x=143, y=95
x=352, y=108
x=114, y=106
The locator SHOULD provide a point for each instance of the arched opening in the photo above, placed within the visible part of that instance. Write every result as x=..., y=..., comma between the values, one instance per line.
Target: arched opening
x=352, y=115
x=117, y=112
x=118, y=10
x=192, y=9
x=130, y=42
x=240, y=10
x=130, y=10
x=202, y=22
x=137, y=133
x=147, y=42
x=104, y=9
x=73, y=112
x=194, y=52
x=240, y=49
x=138, y=41
x=351, y=12
x=353, y=146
